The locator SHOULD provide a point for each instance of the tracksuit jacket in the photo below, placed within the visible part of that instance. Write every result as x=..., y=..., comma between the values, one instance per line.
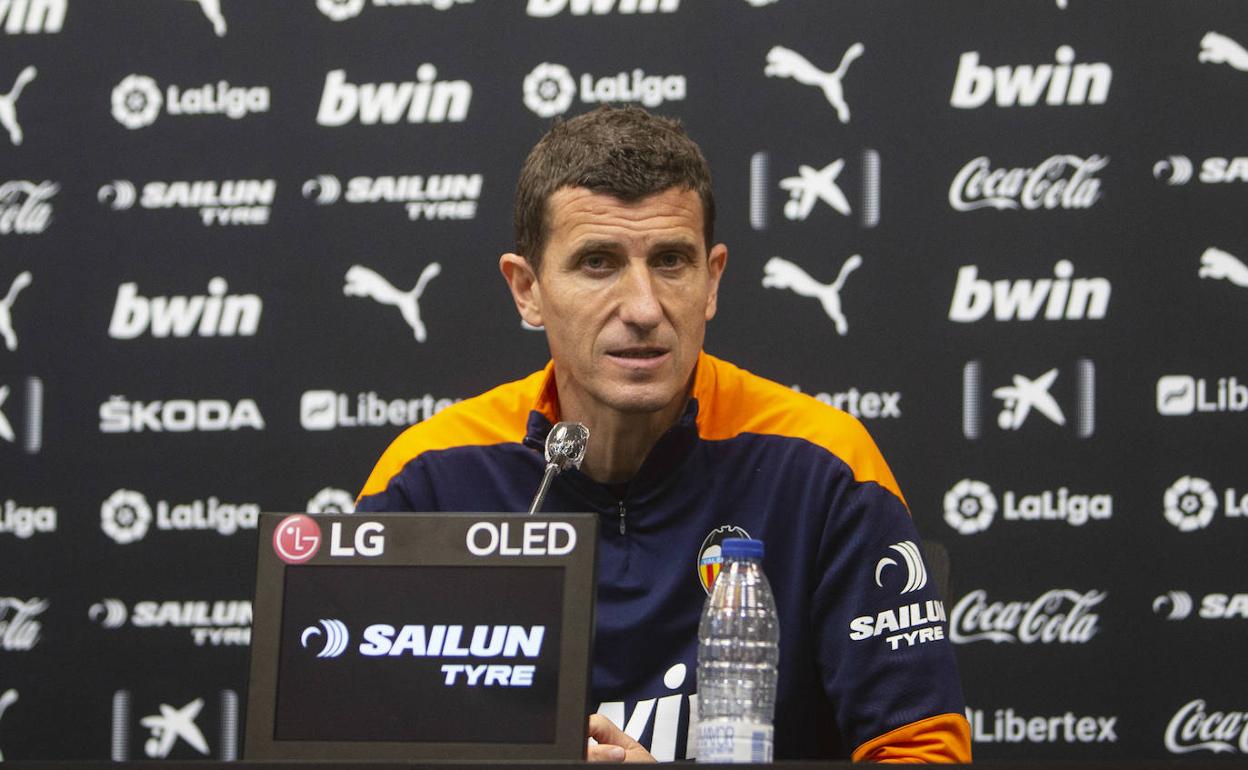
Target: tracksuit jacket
x=865, y=669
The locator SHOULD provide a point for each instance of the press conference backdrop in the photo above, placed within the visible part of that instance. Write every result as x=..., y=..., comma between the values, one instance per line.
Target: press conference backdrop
x=243, y=244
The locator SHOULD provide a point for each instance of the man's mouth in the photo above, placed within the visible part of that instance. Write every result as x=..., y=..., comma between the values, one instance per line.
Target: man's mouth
x=638, y=353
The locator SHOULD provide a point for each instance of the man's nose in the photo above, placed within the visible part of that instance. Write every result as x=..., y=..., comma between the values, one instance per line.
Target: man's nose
x=639, y=305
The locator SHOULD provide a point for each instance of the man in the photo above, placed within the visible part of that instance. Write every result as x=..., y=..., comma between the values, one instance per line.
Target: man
x=614, y=258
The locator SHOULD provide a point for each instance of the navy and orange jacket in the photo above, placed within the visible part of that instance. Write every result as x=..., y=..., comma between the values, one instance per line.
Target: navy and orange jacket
x=865, y=669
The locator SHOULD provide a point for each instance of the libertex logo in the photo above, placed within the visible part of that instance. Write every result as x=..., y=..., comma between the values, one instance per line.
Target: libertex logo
x=341, y=10
x=217, y=202
x=817, y=191
x=424, y=197
x=138, y=100
x=550, y=89
x=1061, y=83
x=1182, y=395
x=862, y=404
x=423, y=100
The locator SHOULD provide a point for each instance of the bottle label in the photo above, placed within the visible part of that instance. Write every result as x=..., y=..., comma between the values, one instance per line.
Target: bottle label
x=726, y=741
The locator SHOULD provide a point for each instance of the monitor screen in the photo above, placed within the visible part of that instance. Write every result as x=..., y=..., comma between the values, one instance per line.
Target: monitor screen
x=419, y=653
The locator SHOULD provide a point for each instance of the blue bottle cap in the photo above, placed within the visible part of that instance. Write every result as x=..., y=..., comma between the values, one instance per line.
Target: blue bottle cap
x=741, y=548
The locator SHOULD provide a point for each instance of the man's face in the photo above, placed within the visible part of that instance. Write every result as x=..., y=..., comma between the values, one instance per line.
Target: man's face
x=624, y=292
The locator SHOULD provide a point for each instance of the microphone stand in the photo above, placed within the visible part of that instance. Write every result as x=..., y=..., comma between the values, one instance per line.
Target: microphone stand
x=565, y=448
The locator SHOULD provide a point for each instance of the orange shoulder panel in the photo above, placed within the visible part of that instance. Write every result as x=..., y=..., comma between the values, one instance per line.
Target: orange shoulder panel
x=746, y=403
x=497, y=416
x=940, y=739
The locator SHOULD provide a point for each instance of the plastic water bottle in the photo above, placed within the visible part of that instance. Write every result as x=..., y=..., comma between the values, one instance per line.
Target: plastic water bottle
x=738, y=648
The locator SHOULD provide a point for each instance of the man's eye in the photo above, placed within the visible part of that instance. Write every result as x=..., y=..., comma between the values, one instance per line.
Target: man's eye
x=595, y=262
x=670, y=260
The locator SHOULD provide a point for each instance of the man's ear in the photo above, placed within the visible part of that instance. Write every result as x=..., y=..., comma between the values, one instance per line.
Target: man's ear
x=525, y=290
x=716, y=261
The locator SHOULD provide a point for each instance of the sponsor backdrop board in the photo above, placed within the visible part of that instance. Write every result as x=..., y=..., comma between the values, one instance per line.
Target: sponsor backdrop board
x=242, y=244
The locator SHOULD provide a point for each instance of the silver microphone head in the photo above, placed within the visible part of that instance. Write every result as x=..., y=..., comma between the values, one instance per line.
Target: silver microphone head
x=565, y=445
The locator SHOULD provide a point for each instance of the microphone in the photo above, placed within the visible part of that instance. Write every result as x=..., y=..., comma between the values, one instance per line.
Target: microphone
x=565, y=448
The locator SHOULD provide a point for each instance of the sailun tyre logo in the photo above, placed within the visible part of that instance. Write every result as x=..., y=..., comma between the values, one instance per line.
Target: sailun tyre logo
x=916, y=571
x=1190, y=503
x=136, y=101
x=970, y=506
x=549, y=90
x=109, y=613
x=1178, y=169
x=336, y=638
x=125, y=516
x=1179, y=603
x=119, y=194
x=340, y=10
x=324, y=189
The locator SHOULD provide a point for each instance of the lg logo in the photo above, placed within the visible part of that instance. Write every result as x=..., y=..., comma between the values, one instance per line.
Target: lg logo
x=297, y=539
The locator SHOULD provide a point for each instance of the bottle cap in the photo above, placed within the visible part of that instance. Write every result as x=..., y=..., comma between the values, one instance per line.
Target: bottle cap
x=741, y=548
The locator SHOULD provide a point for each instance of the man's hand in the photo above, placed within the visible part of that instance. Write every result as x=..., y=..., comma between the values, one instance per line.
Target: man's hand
x=613, y=745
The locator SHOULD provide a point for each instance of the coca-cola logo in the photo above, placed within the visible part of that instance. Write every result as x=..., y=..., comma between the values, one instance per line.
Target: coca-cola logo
x=1061, y=181
x=25, y=207
x=18, y=628
x=1192, y=728
x=1059, y=616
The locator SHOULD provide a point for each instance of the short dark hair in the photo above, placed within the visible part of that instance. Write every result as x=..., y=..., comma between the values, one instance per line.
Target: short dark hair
x=624, y=152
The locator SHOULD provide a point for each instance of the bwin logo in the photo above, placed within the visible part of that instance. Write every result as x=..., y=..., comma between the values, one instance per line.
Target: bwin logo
x=785, y=63
x=424, y=100
x=336, y=638
x=215, y=315
x=916, y=571
x=32, y=16
x=363, y=282
x=1063, y=83
x=1061, y=298
x=547, y=8
x=1180, y=603
x=1178, y=169
x=782, y=274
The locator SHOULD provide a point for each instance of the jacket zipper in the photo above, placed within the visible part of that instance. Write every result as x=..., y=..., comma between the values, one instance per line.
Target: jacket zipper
x=621, y=505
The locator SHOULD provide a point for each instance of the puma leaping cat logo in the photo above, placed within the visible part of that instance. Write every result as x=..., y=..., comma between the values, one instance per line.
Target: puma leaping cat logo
x=7, y=699
x=1220, y=49
x=1215, y=263
x=362, y=282
x=6, y=309
x=785, y=63
x=212, y=9
x=782, y=274
x=8, y=104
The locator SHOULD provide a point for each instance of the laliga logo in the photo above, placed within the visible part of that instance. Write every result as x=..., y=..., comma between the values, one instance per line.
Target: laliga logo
x=1180, y=604
x=336, y=638
x=326, y=189
x=970, y=506
x=296, y=539
x=916, y=571
x=136, y=101
x=549, y=90
x=125, y=516
x=1190, y=503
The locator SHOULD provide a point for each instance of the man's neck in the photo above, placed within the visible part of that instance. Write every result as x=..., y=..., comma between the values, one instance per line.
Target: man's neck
x=619, y=442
